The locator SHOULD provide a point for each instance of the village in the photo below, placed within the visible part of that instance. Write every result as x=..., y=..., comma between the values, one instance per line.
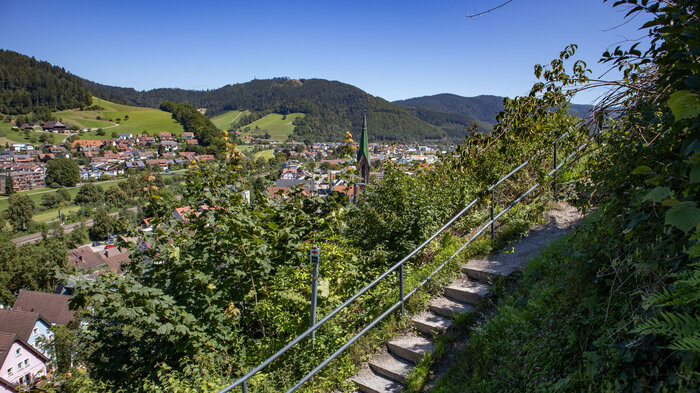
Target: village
x=318, y=170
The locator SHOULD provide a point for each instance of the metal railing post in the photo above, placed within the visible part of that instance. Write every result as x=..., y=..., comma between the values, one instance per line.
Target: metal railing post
x=554, y=180
x=314, y=256
x=493, y=223
x=315, y=253
x=401, y=287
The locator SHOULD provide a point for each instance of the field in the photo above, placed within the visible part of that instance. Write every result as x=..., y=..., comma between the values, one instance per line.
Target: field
x=35, y=195
x=8, y=136
x=224, y=120
x=267, y=154
x=278, y=128
x=140, y=119
x=52, y=215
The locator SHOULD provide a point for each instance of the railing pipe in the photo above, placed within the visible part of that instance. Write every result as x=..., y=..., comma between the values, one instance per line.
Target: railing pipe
x=493, y=225
x=369, y=286
x=344, y=347
x=399, y=265
x=554, y=181
x=401, y=298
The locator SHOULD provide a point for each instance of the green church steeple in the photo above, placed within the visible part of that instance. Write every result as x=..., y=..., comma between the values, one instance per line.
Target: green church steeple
x=364, y=144
x=363, y=159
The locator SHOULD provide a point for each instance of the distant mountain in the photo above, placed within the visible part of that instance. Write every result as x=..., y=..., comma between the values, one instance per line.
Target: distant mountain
x=28, y=85
x=484, y=107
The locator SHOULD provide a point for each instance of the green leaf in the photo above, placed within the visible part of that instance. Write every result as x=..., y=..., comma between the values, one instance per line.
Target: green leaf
x=695, y=174
x=684, y=105
x=641, y=170
x=658, y=194
x=684, y=216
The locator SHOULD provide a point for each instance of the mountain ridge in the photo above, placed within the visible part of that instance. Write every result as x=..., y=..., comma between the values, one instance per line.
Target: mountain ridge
x=482, y=107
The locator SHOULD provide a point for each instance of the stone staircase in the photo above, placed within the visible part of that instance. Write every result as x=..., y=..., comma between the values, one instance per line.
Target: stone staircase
x=388, y=371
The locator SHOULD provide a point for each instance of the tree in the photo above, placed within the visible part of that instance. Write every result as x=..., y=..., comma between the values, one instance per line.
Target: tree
x=50, y=200
x=102, y=225
x=20, y=211
x=89, y=194
x=100, y=132
x=64, y=195
x=63, y=171
x=115, y=197
x=9, y=184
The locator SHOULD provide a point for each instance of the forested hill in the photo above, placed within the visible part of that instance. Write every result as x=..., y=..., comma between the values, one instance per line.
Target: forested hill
x=331, y=107
x=483, y=108
x=28, y=85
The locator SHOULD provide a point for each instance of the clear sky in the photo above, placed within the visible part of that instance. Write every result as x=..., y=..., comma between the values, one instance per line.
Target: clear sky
x=392, y=49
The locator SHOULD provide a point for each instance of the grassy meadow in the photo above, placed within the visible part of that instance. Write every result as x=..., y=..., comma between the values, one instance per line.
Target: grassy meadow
x=140, y=119
x=266, y=154
x=224, y=120
x=274, y=124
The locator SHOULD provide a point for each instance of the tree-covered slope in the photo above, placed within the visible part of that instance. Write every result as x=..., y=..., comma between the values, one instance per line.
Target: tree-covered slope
x=331, y=107
x=483, y=108
x=28, y=85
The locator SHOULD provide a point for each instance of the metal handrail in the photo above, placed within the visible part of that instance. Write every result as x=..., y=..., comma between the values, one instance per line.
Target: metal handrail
x=399, y=265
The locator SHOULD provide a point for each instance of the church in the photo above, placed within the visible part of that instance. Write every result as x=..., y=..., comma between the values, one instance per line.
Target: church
x=363, y=159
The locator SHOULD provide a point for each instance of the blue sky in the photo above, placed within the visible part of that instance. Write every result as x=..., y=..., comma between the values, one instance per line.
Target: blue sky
x=391, y=49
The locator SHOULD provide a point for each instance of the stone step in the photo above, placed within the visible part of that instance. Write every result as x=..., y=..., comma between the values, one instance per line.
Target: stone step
x=392, y=367
x=411, y=348
x=485, y=270
x=448, y=307
x=466, y=291
x=430, y=323
x=369, y=382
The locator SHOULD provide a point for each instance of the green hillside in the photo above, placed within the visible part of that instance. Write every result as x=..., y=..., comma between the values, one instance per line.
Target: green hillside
x=331, y=107
x=279, y=127
x=28, y=85
x=225, y=119
x=139, y=119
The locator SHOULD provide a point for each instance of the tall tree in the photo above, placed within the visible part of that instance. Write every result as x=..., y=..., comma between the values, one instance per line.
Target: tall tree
x=20, y=211
x=89, y=194
x=9, y=184
x=62, y=171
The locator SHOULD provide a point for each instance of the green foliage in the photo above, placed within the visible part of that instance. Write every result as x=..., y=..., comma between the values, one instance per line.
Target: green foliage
x=89, y=194
x=115, y=197
x=9, y=184
x=614, y=307
x=30, y=85
x=49, y=200
x=331, y=108
x=193, y=121
x=102, y=225
x=63, y=171
x=19, y=211
x=30, y=266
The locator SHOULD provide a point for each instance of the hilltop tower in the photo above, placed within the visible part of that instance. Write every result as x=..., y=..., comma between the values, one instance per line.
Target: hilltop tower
x=363, y=159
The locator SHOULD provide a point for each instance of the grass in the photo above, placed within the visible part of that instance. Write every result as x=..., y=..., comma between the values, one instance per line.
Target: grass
x=224, y=120
x=518, y=345
x=274, y=124
x=52, y=214
x=35, y=195
x=267, y=154
x=140, y=119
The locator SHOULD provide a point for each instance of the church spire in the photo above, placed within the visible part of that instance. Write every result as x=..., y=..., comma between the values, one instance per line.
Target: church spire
x=364, y=144
x=363, y=159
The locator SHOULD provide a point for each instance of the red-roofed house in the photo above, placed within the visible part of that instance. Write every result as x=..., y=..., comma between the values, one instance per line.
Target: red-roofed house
x=53, y=307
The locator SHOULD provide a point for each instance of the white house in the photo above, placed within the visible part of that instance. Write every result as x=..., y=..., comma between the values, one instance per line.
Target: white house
x=21, y=363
